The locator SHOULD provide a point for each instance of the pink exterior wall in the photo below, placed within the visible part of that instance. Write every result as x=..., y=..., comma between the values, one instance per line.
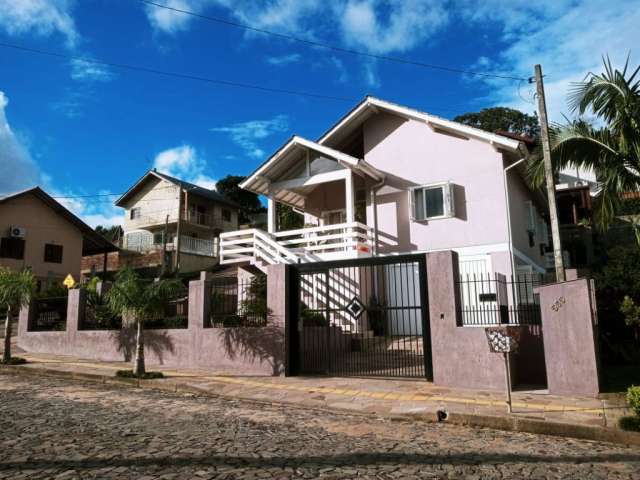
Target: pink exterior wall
x=248, y=351
x=519, y=194
x=416, y=155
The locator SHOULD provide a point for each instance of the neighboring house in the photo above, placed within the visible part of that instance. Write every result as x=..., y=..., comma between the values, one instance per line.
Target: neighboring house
x=168, y=219
x=387, y=179
x=39, y=233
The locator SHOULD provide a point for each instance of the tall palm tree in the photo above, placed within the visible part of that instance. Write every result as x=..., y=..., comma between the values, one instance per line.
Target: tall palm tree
x=16, y=290
x=138, y=300
x=611, y=149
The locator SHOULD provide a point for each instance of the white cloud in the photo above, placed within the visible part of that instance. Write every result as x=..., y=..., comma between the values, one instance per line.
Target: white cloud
x=390, y=26
x=17, y=168
x=284, y=59
x=183, y=162
x=85, y=70
x=377, y=26
x=248, y=135
x=372, y=79
x=568, y=40
x=41, y=17
x=172, y=22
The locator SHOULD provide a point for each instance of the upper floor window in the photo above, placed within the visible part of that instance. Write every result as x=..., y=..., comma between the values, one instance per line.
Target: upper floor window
x=226, y=214
x=135, y=212
x=12, y=247
x=432, y=201
x=52, y=253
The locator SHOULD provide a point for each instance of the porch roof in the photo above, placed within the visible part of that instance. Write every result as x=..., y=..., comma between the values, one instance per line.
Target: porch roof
x=267, y=175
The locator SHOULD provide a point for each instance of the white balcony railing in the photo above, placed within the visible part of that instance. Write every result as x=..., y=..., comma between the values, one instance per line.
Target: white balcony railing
x=198, y=246
x=305, y=244
x=139, y=242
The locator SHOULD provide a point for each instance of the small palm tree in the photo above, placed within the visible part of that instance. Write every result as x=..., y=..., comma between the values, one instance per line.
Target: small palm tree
x=611, y=150
x=138, y=300
x=16, y=290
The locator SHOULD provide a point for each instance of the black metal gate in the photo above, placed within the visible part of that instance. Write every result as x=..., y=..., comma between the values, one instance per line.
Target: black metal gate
x=360, y=317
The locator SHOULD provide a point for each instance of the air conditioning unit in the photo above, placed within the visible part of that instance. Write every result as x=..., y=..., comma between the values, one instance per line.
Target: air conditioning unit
x=17, y=232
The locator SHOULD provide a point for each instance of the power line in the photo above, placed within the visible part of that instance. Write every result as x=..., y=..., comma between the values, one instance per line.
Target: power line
x=176, y=74
x=329, y=46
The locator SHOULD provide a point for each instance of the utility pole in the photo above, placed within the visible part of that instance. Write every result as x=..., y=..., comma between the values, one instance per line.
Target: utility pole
x=179, y=230
x=548, y=173
x=164, y=246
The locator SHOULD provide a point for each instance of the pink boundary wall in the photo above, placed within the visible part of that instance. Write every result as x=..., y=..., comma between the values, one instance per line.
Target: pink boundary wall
x=461, y=356
x=248, y=351
x=569, y=320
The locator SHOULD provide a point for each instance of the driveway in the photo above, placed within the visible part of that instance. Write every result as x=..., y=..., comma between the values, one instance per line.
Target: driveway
x=62, y=428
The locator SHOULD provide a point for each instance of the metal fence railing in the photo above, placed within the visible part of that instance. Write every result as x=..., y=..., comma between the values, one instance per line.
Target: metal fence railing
x=50, y=314
x=176, y=315
x=487, y=299
x=239, y=303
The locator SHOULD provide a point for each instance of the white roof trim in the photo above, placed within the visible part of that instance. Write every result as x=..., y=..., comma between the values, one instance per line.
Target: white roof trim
x=431, y=120
x=344, y=159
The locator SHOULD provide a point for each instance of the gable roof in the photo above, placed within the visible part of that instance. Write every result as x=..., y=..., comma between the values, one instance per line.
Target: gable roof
x=371, y=105
x=92, y=242
x=258, y=181
x=189, y=187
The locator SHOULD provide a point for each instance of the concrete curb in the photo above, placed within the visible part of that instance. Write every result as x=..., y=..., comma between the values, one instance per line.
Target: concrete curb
x=507, y=423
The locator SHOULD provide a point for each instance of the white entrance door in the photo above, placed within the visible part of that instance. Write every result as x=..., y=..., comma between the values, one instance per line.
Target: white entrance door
x=403, y=291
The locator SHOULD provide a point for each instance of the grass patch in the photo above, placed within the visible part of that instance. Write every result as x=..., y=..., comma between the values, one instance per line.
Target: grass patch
x=145, y=376
x=15, y=361
x=630, y=423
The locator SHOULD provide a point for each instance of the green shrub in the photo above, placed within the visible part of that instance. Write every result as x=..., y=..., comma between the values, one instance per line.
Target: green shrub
x=633, y=399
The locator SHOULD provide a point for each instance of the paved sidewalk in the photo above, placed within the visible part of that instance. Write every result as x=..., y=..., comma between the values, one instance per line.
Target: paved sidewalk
x=533, y=410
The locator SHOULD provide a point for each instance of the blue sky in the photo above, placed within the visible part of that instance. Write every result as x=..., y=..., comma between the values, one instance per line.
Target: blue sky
x=79, y=128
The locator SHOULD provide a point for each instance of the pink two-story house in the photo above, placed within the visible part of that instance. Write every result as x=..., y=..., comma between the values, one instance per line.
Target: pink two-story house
x=388, y=179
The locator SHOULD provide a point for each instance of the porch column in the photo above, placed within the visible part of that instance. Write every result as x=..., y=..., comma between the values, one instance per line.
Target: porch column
x=349, y=197
x=271, y=215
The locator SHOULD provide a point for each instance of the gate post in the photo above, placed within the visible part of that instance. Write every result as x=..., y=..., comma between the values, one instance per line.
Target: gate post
x=461, y=358
x=278, y=306
x=570, y=326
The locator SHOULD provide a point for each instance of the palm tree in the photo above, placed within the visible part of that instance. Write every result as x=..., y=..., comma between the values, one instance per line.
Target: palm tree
x=16, y=289
x=138, y=300
x=612, y=149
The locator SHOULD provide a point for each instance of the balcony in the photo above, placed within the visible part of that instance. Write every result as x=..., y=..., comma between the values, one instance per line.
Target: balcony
x=330, y=242
x=213, y=221
x=140, y=242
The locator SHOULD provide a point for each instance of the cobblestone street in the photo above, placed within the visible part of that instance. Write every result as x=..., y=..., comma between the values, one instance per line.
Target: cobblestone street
x=57, y=428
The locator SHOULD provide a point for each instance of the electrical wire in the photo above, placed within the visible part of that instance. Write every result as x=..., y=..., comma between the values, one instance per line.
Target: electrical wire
x=183, y=76
x=335, y=48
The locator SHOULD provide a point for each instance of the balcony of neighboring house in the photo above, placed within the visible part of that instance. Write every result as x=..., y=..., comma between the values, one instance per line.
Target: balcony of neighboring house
x=144, y=241
x=328, y=188
x=193, y=216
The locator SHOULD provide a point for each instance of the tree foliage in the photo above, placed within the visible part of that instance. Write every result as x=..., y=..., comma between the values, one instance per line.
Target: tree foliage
x=112, y=233
x=287, y=218
x=502, y=118
x=612, y=151
x=248, y=201
x=16, y=290
x=138, y=300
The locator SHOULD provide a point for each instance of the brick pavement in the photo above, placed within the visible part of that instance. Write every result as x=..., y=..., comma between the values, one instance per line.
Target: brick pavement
x=65, y=429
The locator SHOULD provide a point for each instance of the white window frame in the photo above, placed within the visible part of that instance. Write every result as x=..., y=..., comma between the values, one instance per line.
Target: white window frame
x=448, y=203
